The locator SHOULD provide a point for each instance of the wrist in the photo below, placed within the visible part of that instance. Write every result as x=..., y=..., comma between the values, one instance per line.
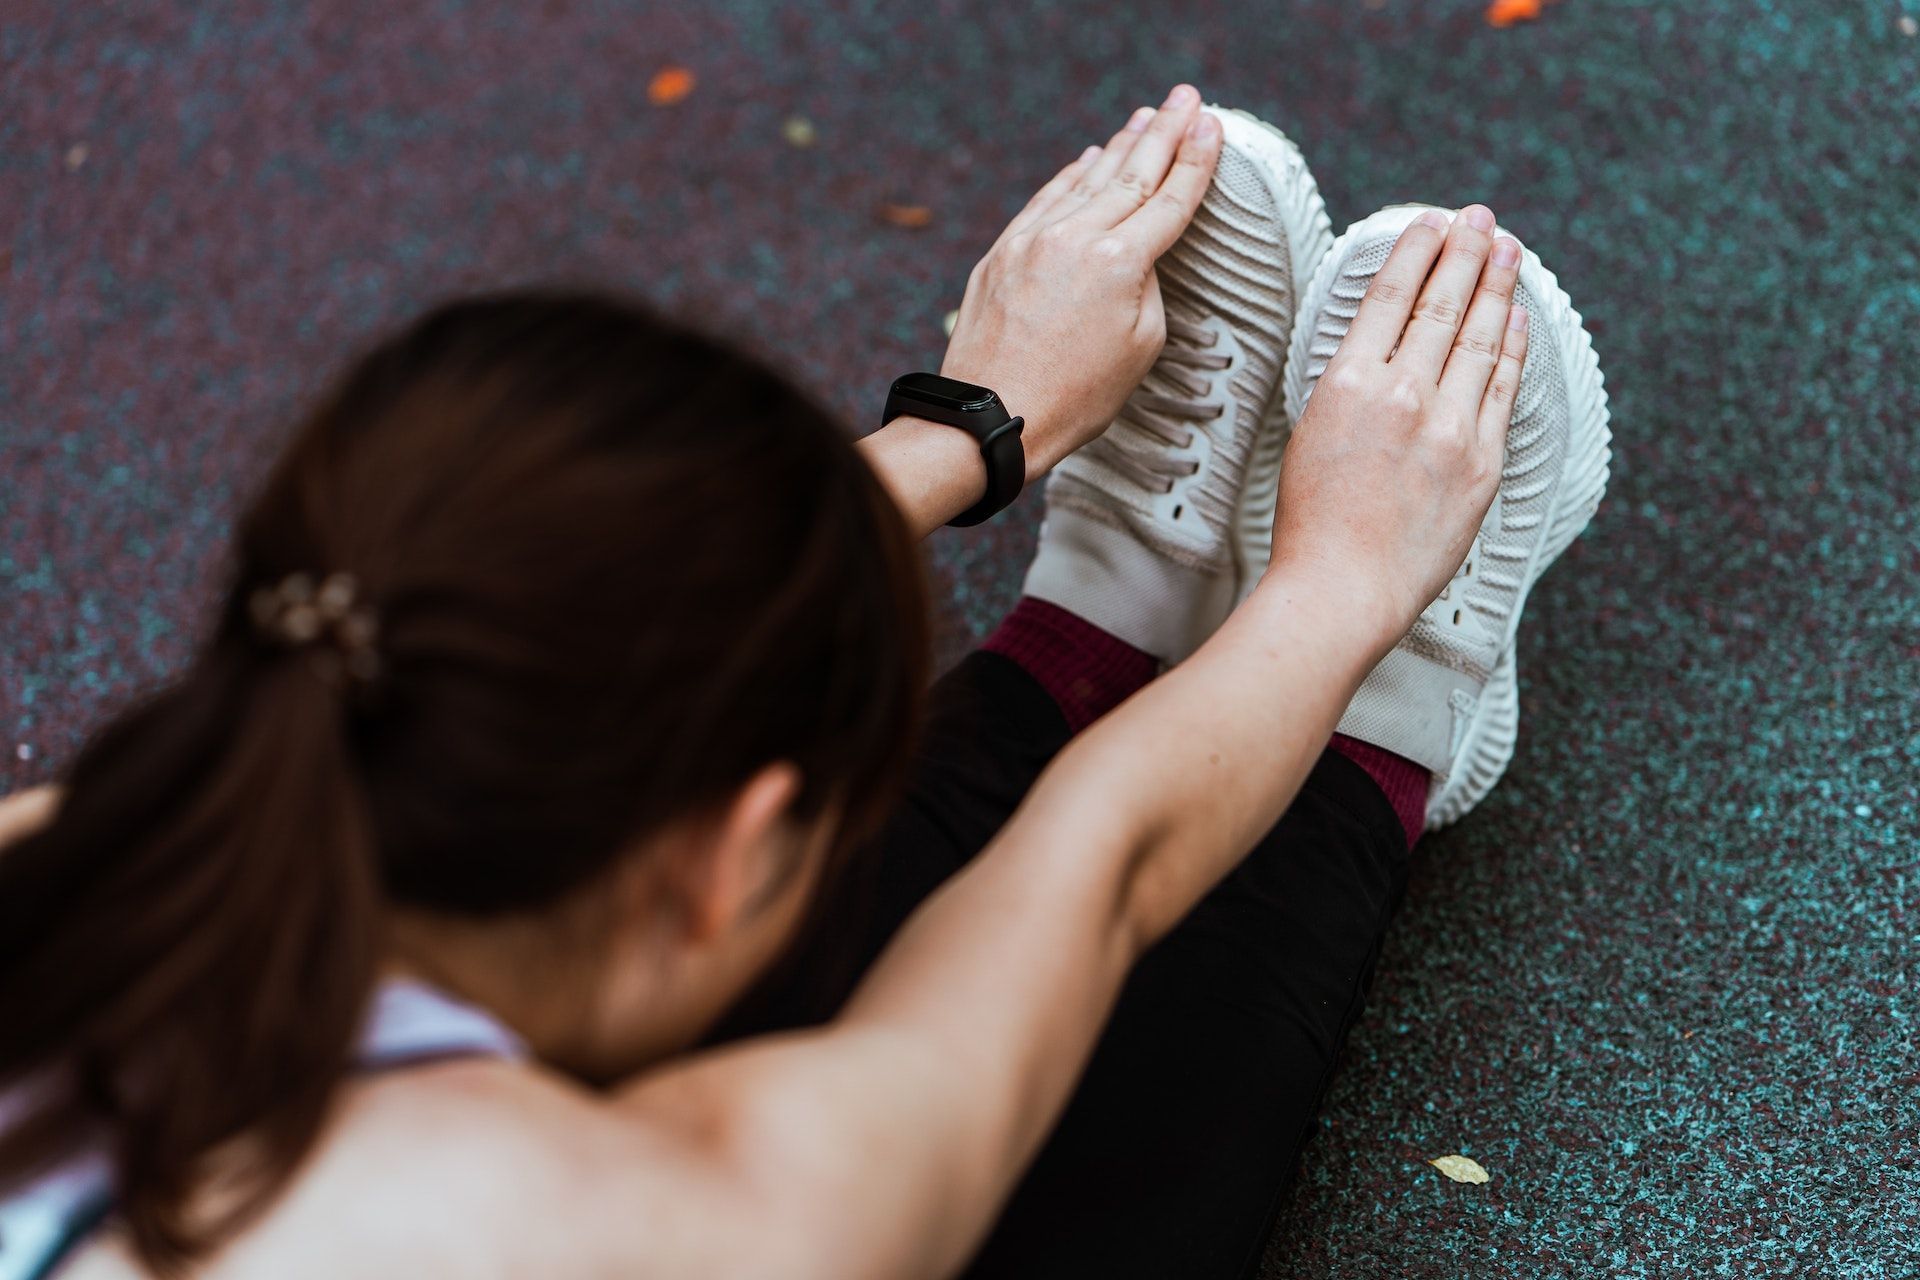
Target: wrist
x=1341, y=600
x=933, y=472
x=1042, y=433
x=1044, y=449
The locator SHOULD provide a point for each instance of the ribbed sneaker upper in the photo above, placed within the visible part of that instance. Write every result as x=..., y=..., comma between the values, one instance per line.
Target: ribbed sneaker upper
x=1516, y=525
x=1467, y=626
x=1229, y=280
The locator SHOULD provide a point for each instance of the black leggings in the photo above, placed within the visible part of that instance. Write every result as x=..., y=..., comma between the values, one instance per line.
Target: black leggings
x=1170, y=1160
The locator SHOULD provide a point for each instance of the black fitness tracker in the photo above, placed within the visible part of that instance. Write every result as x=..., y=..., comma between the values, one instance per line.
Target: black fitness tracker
x=979, y=413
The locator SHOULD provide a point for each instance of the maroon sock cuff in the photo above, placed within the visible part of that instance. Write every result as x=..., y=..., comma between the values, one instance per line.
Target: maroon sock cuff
x=1404, y=782
x=1088, y=673
x=1082, y=668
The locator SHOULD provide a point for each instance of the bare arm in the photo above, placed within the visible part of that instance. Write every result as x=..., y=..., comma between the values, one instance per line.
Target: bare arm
x=884, y=1144
x=922, y=1103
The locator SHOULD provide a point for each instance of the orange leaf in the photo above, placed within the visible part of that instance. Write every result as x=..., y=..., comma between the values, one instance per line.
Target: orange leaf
x=912, y=216
x=1504, y=13
x=669, y=85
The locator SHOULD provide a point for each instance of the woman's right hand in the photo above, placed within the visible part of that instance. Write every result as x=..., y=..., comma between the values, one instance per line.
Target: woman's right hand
x=1394, y=463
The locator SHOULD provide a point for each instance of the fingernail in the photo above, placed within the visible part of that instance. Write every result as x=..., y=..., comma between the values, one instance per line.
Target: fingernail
x=1090, y=153
x=1182, y=95
x=1517, y=318
x=1435, y=219
x=1505, y=252
x=1479, y=217
x=1138, y=120
x=1204, y=126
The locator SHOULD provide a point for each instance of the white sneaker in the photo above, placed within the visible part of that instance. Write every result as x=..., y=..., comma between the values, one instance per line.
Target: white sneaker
x=1144, y=525
x=1448, y=697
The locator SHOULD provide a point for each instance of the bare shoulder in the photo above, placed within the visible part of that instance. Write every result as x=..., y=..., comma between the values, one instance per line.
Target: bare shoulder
x=479, y=1168
x=25, y=812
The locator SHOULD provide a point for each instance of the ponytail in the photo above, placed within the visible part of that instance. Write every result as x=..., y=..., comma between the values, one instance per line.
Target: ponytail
x=612, y=569
x=187, y=950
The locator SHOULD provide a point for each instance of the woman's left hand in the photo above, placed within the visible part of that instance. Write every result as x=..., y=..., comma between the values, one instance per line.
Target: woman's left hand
x=1063, y=316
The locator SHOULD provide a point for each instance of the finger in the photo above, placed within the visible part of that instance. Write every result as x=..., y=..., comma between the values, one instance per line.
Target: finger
x=1104, y=166
x=1443, y=302
x=1044, y=198
x=1496, y=406
x=1164, y=217
x=1384, y=312
x=1133, y=182
x=1477, y=346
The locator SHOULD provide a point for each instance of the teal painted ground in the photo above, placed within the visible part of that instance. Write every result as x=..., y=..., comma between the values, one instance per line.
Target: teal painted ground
x=1661, y=985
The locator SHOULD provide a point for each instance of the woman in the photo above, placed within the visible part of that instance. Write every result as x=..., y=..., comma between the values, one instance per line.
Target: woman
x=572, y=666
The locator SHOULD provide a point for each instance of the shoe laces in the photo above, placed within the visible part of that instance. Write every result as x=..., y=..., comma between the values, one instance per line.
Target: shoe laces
x=1164, y=414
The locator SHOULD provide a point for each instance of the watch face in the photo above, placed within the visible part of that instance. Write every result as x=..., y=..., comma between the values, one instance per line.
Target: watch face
x=944, y=393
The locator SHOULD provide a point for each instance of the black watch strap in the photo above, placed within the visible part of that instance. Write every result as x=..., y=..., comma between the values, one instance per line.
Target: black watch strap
x=979, y=412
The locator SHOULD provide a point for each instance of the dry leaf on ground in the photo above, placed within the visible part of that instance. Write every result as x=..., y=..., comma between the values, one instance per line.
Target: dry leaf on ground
x=913, y=216
x=669, y=85
x=1504, y=13
x=1460, y=1168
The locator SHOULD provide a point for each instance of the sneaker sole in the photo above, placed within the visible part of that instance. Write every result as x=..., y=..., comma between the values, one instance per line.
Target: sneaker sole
x=1488, y=744
x=1309, y=233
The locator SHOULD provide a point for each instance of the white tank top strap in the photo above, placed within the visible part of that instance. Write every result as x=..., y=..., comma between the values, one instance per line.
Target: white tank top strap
x=408, y=1023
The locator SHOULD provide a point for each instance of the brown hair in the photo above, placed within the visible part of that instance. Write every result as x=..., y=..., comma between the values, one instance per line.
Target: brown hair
x=617, y=568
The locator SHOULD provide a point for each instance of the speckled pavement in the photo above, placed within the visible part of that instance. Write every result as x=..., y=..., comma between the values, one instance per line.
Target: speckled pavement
x=1661, y=986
